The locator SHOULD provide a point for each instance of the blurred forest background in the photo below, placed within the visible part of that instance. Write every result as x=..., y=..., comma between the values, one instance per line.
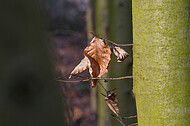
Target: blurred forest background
x=67, y=33
x=29, y=95
x=68, y=29
x=43, y=40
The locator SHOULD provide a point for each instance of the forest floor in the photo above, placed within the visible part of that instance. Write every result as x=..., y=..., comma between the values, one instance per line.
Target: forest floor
x=67, y=49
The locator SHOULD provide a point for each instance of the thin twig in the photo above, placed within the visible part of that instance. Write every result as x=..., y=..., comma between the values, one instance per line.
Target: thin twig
x=79, y=76
x=130, y=117
x=111, y=41
x=103, y=88
x=109, y=78
x=120, y=118
x=63, y=76
x=104, y=95
x=134, y=124
x=112, y=90
x=72, y=75
x=83, y=80
x=94, y=78
x=109, y=99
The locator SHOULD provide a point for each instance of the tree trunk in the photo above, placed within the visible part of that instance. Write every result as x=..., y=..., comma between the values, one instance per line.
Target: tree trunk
x=90, y=28
x=120, y=31
x=90, y=23
x=162, y=62
x=101, y=25
x=28, y=94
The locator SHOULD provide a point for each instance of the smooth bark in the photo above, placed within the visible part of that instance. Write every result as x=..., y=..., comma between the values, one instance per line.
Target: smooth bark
x=161, y=67
x=90, y=27
x=101, y=27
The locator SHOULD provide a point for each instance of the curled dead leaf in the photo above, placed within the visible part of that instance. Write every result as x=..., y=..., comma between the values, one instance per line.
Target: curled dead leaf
x=120, y=53
x=99, y=55
x=94, y=71
x=82, y=66
x=113, y=102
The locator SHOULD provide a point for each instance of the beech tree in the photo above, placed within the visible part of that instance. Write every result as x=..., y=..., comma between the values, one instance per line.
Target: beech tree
x=161, y=67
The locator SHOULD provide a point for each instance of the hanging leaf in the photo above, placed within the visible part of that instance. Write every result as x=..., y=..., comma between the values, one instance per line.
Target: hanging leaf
x=99, y=55
x=94, y=71
x=120, y=53
x=113, y=102
x=82, y=66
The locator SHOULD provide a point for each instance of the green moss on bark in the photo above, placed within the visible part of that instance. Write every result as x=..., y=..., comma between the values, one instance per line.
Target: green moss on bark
x=161, y=67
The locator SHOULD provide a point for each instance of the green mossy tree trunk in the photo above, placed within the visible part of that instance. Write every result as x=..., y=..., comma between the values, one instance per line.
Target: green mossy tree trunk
x=120, y=31
x=101, y=27
x=161, y=68
x=90, y=28
x=90, y=23
x=28, y=94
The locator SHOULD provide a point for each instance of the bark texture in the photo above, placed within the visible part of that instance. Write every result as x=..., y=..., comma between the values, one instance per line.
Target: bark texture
x=161, y=66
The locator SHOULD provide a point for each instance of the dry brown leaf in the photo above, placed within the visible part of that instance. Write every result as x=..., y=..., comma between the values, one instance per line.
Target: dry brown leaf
x=113, y=101
x=99, y=55
x=82, y=66
x=120, y=53
x=94, y=71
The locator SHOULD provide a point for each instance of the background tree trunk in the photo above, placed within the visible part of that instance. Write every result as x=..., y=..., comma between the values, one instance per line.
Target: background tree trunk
x=90, y=27
x=120, y=31
x=28, y=94
x=161, y=62
x=101, y=27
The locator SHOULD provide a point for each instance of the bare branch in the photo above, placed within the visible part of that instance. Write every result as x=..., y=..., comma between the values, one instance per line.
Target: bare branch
x=116, y=78
x=83, y=79
x=130, y=117
x=118, y=120
x=104, y=89
x=72, y=75
x=112, y=90
x=92, y=78
x=104, y=95
x=64, y=76
x=77, y=81
x=134, y=124
x=111, y=41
